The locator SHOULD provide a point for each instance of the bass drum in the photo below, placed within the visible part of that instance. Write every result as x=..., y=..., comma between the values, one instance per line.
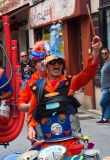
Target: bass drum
x=29, y=155
x=53, y=152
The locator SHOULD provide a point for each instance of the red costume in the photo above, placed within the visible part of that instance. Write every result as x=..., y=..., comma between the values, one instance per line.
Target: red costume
x=77, y=82
x=25, y=92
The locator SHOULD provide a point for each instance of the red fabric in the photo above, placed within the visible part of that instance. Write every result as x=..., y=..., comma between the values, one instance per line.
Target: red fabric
x=53, y=83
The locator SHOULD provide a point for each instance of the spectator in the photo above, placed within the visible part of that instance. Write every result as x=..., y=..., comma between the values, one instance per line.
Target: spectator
x=105, y=87
x=27, y=68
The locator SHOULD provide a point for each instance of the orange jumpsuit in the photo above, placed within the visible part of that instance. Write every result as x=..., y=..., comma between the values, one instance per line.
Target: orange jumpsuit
x=77, y=82
x=25, y=92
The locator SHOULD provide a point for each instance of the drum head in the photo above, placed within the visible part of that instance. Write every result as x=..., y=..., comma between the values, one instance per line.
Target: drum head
x=28, y=155
x=91, y=152
x=53, y=152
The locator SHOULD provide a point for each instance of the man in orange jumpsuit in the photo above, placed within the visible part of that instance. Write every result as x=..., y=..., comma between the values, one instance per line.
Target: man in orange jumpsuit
x=55, y=107
x=38, y=54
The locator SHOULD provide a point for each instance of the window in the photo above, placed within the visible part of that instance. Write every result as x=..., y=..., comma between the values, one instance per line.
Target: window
x=46, y=33
x=105, y=1
x=38, y=34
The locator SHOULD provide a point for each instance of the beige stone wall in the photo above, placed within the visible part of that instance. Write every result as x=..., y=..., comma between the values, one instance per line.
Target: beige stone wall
x=97, y=97
x=87, y=102
x=94, y=5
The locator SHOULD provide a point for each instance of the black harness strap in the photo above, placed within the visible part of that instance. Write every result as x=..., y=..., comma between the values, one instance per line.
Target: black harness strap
x=57, y=99
x=76, y=103
x=41, y=89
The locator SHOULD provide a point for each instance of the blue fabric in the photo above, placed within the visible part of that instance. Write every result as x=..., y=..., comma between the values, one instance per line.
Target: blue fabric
x=37, y=55
x=105, y=90
x=3, y=80
x=56, y=128
x=25, y=81
x=38, y=82
x=105, y=104
x=61, y=84
x=13, y=156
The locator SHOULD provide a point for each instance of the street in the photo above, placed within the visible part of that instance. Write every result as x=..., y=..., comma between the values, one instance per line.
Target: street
x=98, y=134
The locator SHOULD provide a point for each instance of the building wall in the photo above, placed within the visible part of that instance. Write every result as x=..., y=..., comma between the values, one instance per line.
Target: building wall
x=97, y=97
x=94, y=5
x=31, y=38
x=71, y=31
x=23, y=38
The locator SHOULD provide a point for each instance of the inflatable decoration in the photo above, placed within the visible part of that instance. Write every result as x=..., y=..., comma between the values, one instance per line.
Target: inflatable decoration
x=11, y=119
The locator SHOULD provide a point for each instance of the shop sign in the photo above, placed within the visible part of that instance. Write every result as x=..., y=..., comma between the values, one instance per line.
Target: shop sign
x=50, y=10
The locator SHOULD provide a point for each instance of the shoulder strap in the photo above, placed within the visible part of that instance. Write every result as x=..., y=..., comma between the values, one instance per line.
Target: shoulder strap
x=41, y=88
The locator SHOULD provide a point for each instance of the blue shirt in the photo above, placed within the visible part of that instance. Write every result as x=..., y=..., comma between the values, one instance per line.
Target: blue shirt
x=3, y=80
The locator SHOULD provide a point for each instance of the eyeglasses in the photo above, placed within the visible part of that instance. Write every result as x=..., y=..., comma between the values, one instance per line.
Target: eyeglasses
x=104, y=53
x=54, y=61
x=24, y=56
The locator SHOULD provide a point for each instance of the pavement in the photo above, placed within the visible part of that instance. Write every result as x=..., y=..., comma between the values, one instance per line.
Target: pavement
x=98, y=134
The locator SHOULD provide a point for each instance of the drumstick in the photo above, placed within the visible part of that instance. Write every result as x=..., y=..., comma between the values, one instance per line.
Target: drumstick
x=37, y=143
x=90, y=17
x=34, y=139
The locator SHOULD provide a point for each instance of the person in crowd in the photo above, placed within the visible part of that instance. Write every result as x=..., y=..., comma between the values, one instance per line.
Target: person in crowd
x=105, y=87
x=7, y=91
x=37, y=55
x=52, y=108
x=27, y=68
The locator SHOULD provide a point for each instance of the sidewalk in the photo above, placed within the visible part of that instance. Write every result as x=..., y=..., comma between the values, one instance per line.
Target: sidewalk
x=99, y=134
x=89, y=113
